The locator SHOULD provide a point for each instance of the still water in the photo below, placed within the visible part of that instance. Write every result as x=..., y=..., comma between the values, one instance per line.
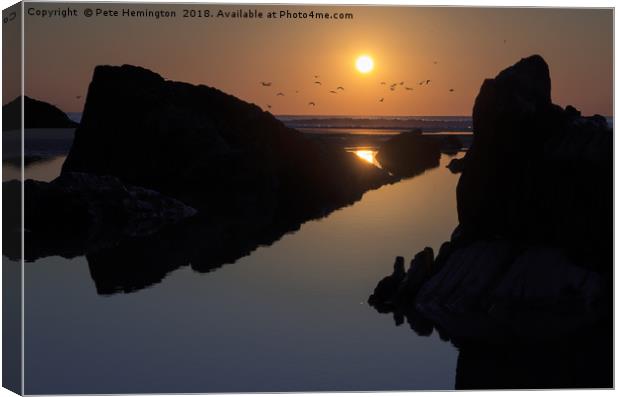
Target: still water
x=291, y=316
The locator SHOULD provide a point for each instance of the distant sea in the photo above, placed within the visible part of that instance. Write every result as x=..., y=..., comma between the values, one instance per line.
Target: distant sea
x=460, y=123
x=308, y=123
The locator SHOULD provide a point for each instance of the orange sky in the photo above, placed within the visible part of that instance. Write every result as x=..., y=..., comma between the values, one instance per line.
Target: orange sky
x=235, y=55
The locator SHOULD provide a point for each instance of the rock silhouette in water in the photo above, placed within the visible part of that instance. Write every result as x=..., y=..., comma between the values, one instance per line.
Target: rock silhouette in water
x=37, y=114
x=250, y=178
x=409, y=154
x=384, y=292
x=584, y=360
x=77, y=213
x=531, y=259
x=450, y=144
x=535, y=189
x=456, y=166
x=209, y=149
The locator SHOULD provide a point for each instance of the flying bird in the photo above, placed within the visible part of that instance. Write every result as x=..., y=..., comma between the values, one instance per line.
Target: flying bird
x=435, y=62
x=383, y=83
x=392, y=88
x=409, y=88
x=401, y=83
x=317, y=82
x=380, y=99
x=316, y=76
x=279, y=94
x=451, y=90
x=427, y=81
x=333, y=92
x=311, y=104
x=421, y=82
x=78, y=97
x=266, y=83
x=268, y=106
x=340, y=88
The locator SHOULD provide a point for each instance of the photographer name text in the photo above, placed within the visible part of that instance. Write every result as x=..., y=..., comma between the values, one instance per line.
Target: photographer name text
x=203, y=13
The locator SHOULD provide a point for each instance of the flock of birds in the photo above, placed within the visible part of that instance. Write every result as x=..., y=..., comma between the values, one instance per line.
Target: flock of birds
x=317, y=82
x=392, y=86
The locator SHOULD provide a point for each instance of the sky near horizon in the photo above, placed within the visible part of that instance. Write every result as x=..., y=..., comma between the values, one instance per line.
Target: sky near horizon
x=455, y=48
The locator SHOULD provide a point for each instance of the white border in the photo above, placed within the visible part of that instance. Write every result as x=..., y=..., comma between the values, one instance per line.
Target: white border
x=470, y=3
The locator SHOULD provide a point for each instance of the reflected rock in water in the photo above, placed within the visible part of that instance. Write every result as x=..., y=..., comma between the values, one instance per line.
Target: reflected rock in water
x=528, y=320
x=528, y=268
x=77, y=213
x=580, y=360
x=202, y=243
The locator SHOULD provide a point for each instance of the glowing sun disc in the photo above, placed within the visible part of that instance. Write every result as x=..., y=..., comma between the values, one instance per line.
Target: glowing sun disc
x=364, y=64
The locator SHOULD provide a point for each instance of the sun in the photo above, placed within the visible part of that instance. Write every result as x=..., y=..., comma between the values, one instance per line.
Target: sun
x=364, y=64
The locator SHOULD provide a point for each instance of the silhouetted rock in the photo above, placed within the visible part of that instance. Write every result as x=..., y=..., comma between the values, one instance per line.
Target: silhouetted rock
x=536, y=172
x=512, y=286
x=420, y=269
x=582, y=360
x=537, y=180
x=450, y=144
x=210, y=150
x=456, y=166
x=531, y=259
x=251, y=179
x=125, y=264
x=497, y=290
x=37, y=114
x=409, y=154
x=79, y=212
x=386, y=288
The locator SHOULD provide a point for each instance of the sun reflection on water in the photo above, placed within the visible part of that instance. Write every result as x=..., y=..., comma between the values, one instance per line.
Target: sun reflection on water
x=368, y=156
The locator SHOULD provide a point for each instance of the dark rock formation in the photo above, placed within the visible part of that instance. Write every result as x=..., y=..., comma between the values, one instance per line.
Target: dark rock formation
x=420, y=269
x=409, y=154
x=456, y=166
x=584, y=360
x=533, y=163
x=119, y=263
x=385, y=290
x=531, y=259
x=76, y=213
x=97, y=203
x=37, y=114
x=512, y=287
x=521, y=316
x=536, y=191
x=250, y=178
x=209, y=149
x=450, y=144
